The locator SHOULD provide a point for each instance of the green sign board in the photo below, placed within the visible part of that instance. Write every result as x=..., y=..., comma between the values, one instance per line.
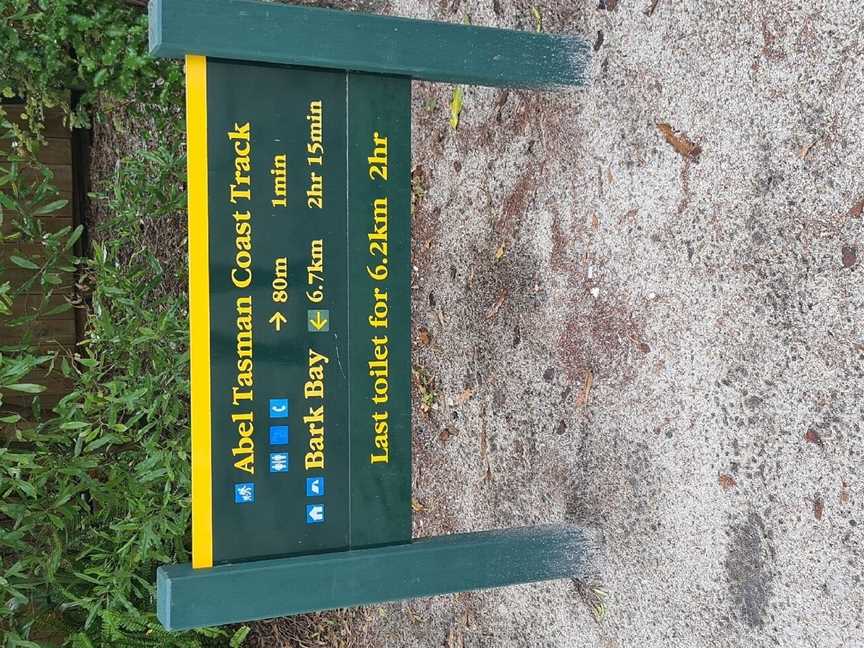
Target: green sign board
x=300, y=309
x=299, y=154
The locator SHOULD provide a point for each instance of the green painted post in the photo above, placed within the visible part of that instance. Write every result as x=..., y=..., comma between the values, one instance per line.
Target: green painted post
x=324, y=38
x=269, y=588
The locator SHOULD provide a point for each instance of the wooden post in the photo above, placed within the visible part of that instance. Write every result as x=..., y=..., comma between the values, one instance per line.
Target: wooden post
x=325, y=38
x=190, y=598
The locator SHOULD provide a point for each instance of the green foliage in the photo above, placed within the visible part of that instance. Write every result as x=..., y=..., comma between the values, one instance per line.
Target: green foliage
x=49, y=47
x=94, y=495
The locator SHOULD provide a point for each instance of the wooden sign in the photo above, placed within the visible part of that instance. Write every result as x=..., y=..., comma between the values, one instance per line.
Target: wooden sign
x=299, y=153
x=300, y=308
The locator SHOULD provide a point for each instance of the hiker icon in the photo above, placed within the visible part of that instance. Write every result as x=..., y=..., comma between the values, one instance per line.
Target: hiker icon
x=244, y=493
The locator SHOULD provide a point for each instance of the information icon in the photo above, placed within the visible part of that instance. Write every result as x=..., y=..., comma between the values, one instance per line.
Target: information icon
x=278, y=435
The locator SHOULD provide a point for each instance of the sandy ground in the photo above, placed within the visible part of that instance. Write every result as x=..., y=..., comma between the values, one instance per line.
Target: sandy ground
x=715, y=302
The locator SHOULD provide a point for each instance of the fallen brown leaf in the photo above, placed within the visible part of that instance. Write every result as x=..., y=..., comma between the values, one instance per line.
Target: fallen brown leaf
x=727, y=482
x=595, y=222
x=585, y=392
x=416, y=506
x=813, y=437
x=415, y=618
x=685, y=148
x=444, y=435
x=424, y=336
x=642, y=346
x=844, y=494
x=455, y=639
x=629, y=217
x=849, y=253
x=493, y=310
x=499, y=252
x=805, y=151
x=465, y=396
x=818, y=507
x=488, y=476
x=857, y=209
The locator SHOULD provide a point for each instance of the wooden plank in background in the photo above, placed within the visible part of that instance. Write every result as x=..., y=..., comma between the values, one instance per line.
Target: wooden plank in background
x=41, y=331
x=32, y=303
x=28, y=250
x=62, y=177
x=48, y=399
x=50, y=224
x=54, y=126
x=17, y=276
x=56, y=150
x=57, y=332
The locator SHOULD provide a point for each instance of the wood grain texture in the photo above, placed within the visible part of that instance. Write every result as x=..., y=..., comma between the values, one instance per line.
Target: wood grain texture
x=325, y=38
x=57, y=332
x=54, y=126
x=54, y=151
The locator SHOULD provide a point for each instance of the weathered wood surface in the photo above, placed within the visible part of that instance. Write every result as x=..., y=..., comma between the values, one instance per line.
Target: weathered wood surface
x=54, y=126
x=55, y=150
x=189, y=598
x=432, y=51
x=56, y=332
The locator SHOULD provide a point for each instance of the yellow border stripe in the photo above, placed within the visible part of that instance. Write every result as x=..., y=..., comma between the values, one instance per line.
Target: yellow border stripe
x=199, y=310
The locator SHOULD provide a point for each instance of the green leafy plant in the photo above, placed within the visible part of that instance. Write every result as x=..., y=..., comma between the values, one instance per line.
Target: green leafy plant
x=96, y=495
x=49, y=48
x=94, y=492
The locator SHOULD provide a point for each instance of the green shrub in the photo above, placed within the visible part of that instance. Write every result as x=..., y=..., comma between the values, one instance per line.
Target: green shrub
x=94, y=495
x=49, y=47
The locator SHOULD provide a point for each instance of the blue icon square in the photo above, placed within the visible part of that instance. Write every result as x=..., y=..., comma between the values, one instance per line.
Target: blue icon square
x=278, y=435
x=314, y=513
x=278, y=462
x=244, y=493
x=314, y=486
x=278, y=408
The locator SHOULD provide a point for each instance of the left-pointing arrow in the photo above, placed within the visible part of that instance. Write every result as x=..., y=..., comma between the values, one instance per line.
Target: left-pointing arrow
x=277, y=320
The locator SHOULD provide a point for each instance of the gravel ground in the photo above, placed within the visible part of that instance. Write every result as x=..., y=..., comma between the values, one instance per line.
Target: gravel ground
x=658, y=337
